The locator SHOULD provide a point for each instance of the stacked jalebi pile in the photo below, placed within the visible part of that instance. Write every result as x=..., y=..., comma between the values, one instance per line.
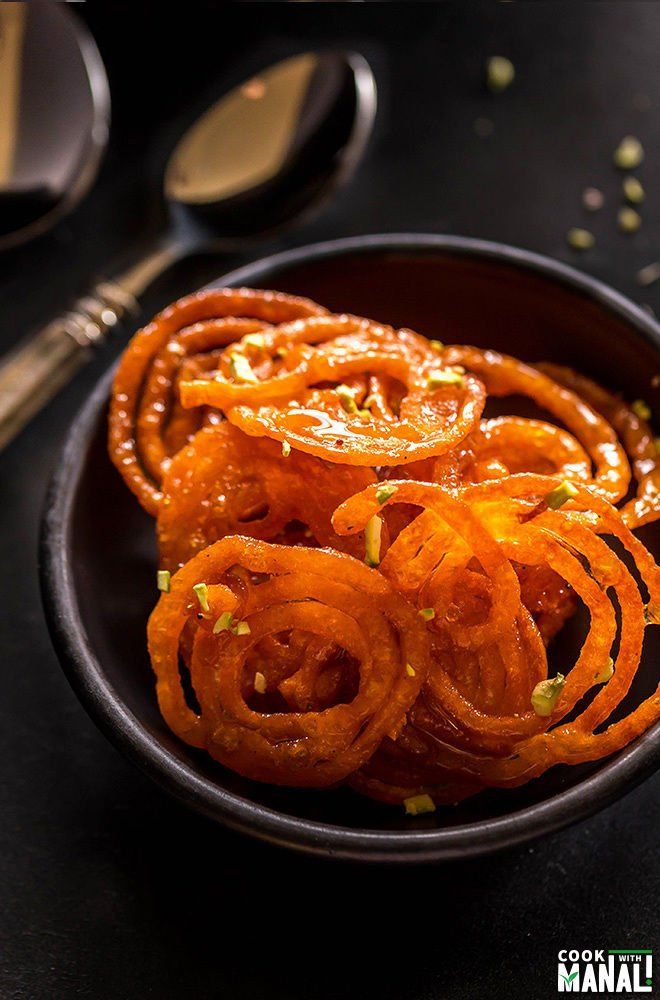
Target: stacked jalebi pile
x=361, y=573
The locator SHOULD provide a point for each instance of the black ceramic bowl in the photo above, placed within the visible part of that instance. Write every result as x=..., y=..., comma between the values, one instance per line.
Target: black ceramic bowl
x=99, y=555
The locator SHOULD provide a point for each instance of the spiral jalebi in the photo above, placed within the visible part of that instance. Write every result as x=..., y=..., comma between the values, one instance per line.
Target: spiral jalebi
x=147, y=424
x=460, y=735
x=315, y=592
x=362, y=572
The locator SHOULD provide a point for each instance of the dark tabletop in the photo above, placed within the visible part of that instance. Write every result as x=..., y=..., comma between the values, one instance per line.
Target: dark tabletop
x=108, y=887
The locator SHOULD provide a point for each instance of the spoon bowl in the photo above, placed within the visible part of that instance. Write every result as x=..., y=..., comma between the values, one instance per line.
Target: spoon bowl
x=55, y=108
x=276, y=147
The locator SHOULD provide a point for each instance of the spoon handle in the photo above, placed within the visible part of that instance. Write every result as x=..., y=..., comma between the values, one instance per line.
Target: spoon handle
x=37, y=368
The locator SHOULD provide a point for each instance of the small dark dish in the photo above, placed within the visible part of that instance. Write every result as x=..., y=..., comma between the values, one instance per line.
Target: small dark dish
x=99, y=560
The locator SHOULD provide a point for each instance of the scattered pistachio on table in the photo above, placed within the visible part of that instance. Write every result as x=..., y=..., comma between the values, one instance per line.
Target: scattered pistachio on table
x=629, y=219
x=649, y=274
x=500, y=73
x=593, y=199
x=580, y=239
x=633, y=190
x=629, y=153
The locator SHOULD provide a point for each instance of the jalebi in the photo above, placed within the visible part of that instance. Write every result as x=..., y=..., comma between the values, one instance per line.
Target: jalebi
x=286, y=591
x=147, y=423
x=362, y=572
x=364, y=394
x=225, y=483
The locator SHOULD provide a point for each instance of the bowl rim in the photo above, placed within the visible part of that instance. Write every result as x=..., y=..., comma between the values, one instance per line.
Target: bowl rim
x=85, y=673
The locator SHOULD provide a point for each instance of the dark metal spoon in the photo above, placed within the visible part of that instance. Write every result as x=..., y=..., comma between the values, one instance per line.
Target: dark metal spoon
x=265, y=155
x=54, y=114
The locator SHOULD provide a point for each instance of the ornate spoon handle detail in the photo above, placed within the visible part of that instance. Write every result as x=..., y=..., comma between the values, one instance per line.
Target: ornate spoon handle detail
x=33, y=372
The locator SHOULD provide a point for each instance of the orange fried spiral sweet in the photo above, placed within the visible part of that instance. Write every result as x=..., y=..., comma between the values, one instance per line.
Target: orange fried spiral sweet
x=357, y=393
x=635, y=434
x=226, y=483
x=452, y=731
x=320, y=593
x=146, y=423
x=505, y=376
x=362, y=571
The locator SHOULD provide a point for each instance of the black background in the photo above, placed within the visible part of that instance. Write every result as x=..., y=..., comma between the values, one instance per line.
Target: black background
x=110, y=889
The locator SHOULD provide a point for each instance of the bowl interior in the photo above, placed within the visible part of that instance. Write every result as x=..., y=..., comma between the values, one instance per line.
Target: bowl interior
x=449, y=295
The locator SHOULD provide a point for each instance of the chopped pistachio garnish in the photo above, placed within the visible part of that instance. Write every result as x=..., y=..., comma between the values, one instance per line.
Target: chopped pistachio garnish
x=426, y=614
x=629, y=153
x=442, y=378
x=223, y=623
x=259, y=683
x=286, y=449
x=580, y=239
x=385, y=492
x=500, y=73
x=241, y=369
x=649, y=275
x=606, y=674
x=592, y=199
x=641, y=409
x=557, y=498
x=410, y=670
x=346, y=399
x=201, y=593
x=546, y=694
x=417, y=805
x=372, y=532
x=629, y=219
x=436, y=345
x=633, y=190
x=255, y=340
x=163, y=580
